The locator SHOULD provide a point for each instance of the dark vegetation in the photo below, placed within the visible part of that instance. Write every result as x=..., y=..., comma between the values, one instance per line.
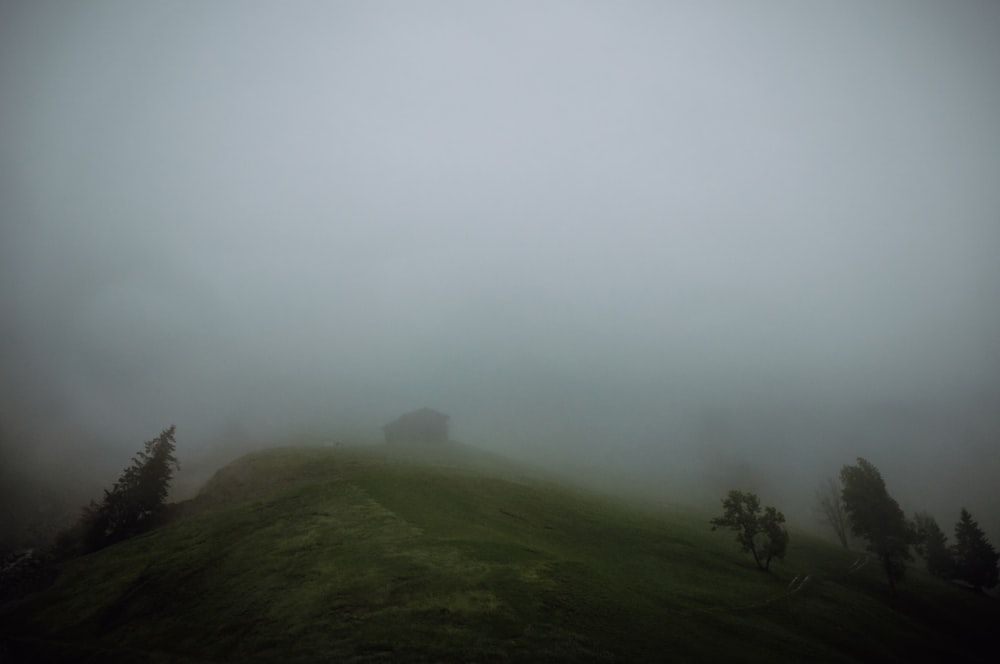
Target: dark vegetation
x=382, y=553
x=760, y=533
x=877, y=518
x=133, y=505
x=975, y=560
x=932, y=546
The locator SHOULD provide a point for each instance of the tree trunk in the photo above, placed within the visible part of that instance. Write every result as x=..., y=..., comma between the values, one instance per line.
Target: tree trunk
x=887, y=566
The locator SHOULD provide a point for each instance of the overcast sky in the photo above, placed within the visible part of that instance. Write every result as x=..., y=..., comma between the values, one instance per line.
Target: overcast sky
x=609, y=230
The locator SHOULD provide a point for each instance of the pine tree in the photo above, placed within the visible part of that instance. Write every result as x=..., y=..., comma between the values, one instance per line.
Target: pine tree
x=932, y=545
x=975, y=557
x=137, y=498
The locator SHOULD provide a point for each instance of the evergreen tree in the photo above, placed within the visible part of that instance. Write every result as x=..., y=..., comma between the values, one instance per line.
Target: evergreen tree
x=975, y=557
x=932, y=545
x=877, y=517
x=136, y=499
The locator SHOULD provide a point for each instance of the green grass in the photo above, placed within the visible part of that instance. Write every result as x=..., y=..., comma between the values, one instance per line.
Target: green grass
x=353, y=554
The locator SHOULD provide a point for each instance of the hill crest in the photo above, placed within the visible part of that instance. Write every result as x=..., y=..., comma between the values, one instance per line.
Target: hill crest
x=300, y=554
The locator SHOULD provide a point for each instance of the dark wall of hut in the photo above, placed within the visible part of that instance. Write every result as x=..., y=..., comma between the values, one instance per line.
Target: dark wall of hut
x=420, y=426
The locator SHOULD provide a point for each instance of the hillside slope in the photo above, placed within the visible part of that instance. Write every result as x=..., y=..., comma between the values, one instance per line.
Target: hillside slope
x=334, y=554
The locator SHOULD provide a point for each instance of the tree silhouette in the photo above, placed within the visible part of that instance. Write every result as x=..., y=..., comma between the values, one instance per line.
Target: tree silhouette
x=975, y=557
x=877, y=517
x=759, y=533
x=932, y=545
x=831, y=509
x=136, y=499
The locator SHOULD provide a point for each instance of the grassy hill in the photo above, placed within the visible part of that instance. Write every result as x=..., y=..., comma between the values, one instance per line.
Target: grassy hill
x=357, y=554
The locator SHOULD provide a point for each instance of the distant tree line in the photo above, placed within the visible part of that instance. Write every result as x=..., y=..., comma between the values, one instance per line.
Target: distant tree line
x=863, y=507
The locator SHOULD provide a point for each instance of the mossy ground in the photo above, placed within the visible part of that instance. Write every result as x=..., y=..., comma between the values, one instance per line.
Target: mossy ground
x=353, y=554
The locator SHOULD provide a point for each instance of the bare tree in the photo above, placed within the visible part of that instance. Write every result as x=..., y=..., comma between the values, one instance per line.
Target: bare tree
x=831, y=509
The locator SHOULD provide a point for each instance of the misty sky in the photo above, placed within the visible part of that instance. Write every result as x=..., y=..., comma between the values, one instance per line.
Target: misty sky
x=619, y=231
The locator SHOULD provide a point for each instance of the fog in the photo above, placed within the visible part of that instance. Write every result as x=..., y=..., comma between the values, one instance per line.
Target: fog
x=673, y=246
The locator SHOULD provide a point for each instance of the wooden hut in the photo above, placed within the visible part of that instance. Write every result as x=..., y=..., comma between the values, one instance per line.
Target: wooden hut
x=420, y=426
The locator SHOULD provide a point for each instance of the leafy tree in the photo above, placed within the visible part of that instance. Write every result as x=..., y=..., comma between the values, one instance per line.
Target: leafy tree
x=932, y=545
x=875, y=516
x=975, y=557
x=831, y=509
x=136, y=499
x=759, y=533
